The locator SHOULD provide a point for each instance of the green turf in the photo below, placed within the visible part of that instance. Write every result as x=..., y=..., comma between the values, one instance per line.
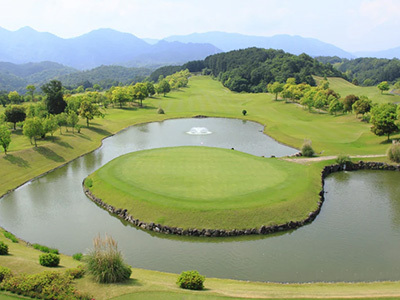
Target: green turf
x=202, y=187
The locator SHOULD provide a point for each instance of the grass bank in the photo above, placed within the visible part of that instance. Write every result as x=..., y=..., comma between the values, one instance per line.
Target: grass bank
x=202, y=187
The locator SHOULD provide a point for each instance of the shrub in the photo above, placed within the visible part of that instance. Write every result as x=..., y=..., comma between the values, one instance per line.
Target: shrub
x=76, y=273
x=77, y=256
x=10, y=236
x=191, y=280
x=160, y=111
x=343, y=159
x=88, y=182
x=394, y=152
x=307, y=150
x=105, y=262
x=4, y=273
x=49, y=260
x=3, y=248
x=45, y=249
x=244, y=112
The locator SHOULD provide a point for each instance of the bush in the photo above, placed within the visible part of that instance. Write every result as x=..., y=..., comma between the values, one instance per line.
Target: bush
x=343, y=159
x=160, y=111
x=191, y=280
x=244, y=112
x=307, y=150
x=77, y=256
x=88, y=182
x=3, y=248
x=105, y=262
x=76, y=273
x=49, y=260
x=45, y=249
x=10, y=236
x=394, y=152
x=4, y=273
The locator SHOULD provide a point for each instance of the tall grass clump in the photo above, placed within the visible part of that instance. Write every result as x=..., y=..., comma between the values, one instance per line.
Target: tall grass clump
x=343, y=159
x=3, y=248
x=105, y=262
x=393, y=152
x=306, y=149
x=10, y=236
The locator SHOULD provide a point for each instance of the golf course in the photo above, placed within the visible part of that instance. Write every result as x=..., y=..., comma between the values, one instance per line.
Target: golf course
x=204, y=187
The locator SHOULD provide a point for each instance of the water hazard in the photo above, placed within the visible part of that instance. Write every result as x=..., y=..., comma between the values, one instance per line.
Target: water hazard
x=356, y=237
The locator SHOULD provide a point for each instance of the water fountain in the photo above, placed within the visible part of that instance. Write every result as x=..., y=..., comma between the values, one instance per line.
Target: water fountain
x=199, y=131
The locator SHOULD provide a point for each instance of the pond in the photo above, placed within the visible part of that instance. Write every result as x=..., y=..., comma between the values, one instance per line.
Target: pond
x=356, y=237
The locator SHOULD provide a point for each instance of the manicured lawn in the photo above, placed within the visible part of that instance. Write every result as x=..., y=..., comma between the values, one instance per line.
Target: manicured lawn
x=202, y=187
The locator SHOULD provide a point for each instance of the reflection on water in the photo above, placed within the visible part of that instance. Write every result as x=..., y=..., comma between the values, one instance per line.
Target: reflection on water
x=355, y=238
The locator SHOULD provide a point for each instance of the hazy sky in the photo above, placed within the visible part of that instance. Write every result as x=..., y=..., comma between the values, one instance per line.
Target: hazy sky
x=352, y=25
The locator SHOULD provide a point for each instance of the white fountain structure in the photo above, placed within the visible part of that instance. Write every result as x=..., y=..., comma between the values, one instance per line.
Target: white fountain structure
x=199, y=131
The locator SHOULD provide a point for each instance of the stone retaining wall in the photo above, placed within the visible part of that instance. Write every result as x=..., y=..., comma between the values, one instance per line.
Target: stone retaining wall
x=123, y=214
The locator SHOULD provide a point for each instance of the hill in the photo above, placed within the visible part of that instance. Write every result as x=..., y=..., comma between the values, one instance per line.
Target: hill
x=292, y=44
x=98, y=47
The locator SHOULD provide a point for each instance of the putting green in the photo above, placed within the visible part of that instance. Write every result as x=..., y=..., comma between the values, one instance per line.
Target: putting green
x=206, y=187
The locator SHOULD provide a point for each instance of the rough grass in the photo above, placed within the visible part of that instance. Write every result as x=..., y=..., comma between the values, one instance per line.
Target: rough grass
x=202, y=187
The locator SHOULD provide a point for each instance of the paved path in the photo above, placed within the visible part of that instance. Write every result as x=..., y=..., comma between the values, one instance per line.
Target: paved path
x=303, y=160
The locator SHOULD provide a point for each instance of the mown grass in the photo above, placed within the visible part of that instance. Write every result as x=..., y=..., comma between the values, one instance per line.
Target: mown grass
x=345, y=88
x=202, y=187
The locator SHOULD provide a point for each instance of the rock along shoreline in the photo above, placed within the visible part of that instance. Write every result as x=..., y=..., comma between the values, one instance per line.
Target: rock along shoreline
x=205, y=232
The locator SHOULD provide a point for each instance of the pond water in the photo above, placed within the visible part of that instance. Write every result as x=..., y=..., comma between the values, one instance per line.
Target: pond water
x=356, y=237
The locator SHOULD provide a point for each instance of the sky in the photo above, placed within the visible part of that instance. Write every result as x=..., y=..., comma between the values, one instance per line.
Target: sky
x=353, y=25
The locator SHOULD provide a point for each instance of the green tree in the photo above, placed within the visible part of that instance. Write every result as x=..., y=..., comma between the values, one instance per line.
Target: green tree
x=335, y=106
x=362, y=106
x=163, y=87
x=5, y=138
x=54, y=97
x=150, y=88
x=383, y=86
x=15, y=114
x=31, y=90
x=61, y=120
x=275, y=88
x=72, y=120
x=140, y=92
x=14, y=97
x=119, y=95
x=4, y=98
x=89, y=110
x=383, y=119
x=348, y=102
x=33, y=129
x=49, y=125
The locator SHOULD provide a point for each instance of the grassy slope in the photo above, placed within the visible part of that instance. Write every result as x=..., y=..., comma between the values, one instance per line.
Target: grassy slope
x=208, y=188
x=345, y=88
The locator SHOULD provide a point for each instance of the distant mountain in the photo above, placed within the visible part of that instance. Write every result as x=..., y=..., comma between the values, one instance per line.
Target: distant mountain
x=98, y=47
x=17, y=77
x=292, y=44
x=389, y=54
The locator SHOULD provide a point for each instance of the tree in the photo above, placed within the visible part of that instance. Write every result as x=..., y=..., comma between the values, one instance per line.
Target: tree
x=4, y=98
x=383, y=86
x=383, y=119
x=348, y=102
x=362, y=106
x=5, y=138
x=15, y=114
x=275, y=88
x=61, y=120
x=150, y=88
x=54, y=97
x=14, y=97
x=163, y=87
x=140, y=92
x=119, y=95
x=49, y=125
x=33, y=129
x=72, y=120
x=335, y=106
x=31, y=90
x=89, y=110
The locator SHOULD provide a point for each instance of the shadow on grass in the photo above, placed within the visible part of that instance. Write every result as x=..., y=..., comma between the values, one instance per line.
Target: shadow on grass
x=386, y=142
x=49, y=154
x=15, y=160
x=130, y=281
x=83, y=136
x=147, y=107
x=99, y=130
x=58, y=141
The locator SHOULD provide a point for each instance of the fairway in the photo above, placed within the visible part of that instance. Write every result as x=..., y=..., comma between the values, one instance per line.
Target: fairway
x=202, y=187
